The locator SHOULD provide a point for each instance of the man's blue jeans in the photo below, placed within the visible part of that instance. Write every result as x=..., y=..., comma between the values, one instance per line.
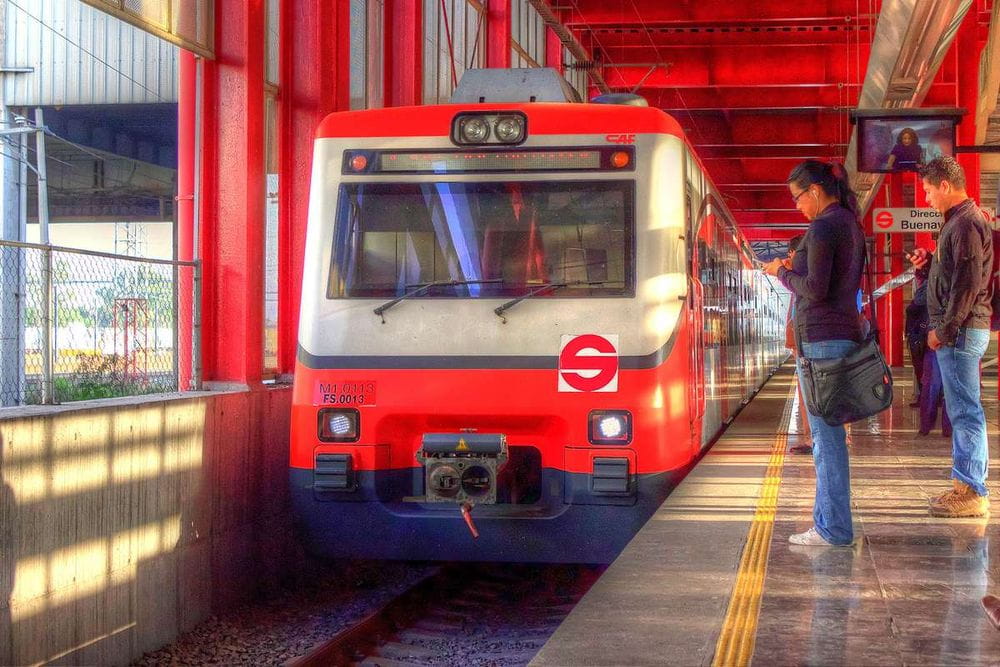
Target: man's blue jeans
x=960, y=375
x=832, y=508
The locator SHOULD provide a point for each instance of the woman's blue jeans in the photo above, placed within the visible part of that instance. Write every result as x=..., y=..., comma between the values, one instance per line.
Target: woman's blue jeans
x=960, y=375
x=832, y=508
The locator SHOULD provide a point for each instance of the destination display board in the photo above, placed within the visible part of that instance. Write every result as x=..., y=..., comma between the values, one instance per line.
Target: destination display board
x=901, y=220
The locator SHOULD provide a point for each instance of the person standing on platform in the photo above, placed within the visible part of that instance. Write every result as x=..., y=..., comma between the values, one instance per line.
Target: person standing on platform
x=802, y=447
x=915, y=330
x=958, y=303
x=824, y=278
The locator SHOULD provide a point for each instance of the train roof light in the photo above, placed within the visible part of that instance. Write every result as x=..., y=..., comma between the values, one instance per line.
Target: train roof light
x=474, y=128
x=509, y=129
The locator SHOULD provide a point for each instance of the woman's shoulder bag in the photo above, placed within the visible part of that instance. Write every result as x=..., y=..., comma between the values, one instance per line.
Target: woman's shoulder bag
x=853, y=387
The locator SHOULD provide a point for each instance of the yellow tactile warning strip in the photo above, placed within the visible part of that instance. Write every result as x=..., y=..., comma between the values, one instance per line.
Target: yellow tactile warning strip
x=739, y=630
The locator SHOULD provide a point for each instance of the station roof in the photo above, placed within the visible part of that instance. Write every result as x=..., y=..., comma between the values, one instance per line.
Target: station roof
x=761, y=86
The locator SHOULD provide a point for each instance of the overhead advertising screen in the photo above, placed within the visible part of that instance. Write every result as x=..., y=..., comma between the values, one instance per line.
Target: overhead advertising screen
x=904, y=142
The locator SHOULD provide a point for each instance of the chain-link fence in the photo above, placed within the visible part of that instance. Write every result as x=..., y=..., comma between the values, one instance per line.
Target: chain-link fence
x=77, y=325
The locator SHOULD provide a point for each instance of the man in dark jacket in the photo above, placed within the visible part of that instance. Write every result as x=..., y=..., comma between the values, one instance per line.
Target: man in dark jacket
x=958, y=303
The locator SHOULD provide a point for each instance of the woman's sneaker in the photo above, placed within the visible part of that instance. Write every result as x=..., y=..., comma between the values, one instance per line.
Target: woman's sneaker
x=810, y=538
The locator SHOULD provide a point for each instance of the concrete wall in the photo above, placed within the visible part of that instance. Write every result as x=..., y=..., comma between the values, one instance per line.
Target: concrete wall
x=126, y=522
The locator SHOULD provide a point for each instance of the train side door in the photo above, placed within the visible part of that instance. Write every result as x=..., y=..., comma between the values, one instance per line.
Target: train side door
x=696, y=324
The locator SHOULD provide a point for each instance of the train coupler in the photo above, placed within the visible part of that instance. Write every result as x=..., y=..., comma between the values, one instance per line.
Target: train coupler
x=462, y=468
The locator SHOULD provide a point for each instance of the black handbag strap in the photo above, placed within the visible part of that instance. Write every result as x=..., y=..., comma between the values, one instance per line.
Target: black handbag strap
x=866, y=268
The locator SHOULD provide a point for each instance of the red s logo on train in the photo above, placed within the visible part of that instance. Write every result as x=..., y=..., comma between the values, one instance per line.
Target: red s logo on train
x=588, y=362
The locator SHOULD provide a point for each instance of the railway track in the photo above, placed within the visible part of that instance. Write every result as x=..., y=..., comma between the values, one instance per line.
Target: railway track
x=488, y=614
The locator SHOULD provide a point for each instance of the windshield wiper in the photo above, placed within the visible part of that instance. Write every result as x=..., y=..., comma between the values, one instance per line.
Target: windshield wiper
x=500, y=310
x=420, y=288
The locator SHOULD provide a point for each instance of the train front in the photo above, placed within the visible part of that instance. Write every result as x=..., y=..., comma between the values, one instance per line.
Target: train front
x=492, y=360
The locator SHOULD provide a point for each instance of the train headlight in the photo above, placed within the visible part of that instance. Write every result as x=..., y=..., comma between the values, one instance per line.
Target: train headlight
x=339, y=425
x=479, y=128
x=474, y=130
x=509, y=129
x=610, y=427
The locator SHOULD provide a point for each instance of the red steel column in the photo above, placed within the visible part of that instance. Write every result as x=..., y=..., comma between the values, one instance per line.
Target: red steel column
x=186, y=113
x=315, y=75
x=498, y=33
x=404, y=52
x=895, y=303
x=893, y=306
x=553, y=50
x=921, y=239
x=232, y=239
x=967, y=47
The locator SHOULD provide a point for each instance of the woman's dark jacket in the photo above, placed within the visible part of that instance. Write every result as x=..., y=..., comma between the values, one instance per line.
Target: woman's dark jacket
x=958, y=289
x=825, y=277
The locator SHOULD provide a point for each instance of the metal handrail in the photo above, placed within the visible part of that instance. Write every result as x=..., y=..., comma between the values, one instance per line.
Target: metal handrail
x=96, y=253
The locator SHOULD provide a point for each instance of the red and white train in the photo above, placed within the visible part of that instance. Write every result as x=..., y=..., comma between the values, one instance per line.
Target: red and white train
x=524, y=319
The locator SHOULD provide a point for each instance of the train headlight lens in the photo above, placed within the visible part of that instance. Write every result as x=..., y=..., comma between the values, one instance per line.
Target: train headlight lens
x=610, y=427
x=339, y=425
x=509, y=129
x=474, y=130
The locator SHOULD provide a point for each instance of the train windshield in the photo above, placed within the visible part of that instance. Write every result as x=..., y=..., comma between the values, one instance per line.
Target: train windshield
x=391, y=237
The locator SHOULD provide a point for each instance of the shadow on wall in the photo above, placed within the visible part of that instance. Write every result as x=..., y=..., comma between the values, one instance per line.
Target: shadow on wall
x=139, y=521
x=8, y=519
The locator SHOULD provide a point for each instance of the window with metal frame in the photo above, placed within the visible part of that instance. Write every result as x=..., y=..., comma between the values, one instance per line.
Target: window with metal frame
x=271, y=189
x=188, y=24
x=577, y=76
x=367, y=53
x=454, y=41
x=527, y=38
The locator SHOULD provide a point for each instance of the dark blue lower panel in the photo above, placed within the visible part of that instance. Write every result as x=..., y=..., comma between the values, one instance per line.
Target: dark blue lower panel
x=590, y=529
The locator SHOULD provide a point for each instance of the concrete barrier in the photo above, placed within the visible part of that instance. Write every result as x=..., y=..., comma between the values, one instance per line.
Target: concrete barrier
x=128, y=521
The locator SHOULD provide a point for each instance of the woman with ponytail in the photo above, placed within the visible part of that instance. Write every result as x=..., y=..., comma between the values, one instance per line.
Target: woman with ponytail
x=824, y=280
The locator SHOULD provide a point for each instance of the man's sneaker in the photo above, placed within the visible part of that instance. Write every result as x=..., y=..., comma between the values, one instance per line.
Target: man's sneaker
x=961, y=501
x=810, y=538
x=801, y=449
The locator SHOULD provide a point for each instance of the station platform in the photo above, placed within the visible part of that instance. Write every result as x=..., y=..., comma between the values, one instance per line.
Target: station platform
x=712, y=579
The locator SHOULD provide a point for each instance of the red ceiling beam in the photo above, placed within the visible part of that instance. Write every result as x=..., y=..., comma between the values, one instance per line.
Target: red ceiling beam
x=636, y=34
x=601, y=11
x=767, y=218
x=739, y=97
x=771, y=151
x=785, y=24
x=733, y=66
x=772, y=233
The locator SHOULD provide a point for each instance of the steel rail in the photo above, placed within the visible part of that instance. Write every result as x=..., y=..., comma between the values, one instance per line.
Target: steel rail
x=344, y=646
